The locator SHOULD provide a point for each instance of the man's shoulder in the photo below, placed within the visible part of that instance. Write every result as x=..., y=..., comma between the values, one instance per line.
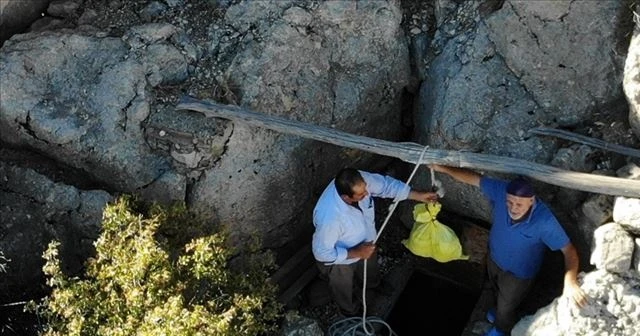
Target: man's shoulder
x=327, y=202
x=493, y=187
x=543, y=213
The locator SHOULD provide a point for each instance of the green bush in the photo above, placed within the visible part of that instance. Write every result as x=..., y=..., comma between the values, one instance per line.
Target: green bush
x=144, y=280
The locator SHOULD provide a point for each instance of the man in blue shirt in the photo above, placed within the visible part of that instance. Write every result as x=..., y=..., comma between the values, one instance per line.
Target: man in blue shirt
x=344, y=220
x=523, y=227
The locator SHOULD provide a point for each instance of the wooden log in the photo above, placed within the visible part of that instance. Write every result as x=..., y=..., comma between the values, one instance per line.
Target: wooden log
x=562, y=134
x=289, y=293
x=301, y=260
x=410, y=152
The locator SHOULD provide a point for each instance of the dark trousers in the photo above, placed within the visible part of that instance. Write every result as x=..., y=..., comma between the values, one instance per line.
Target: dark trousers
x=345, y=291
x=508, y=293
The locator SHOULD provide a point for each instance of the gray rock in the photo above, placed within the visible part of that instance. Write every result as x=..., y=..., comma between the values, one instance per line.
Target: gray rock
x=496, y=122
x=142, y=35
x=575, y=158
x=597, y=210
x=174, y=3
x=18, y=15
x=35, y=210
x=168, y=189
x=297, y=325
x=613, y=248
x=626, y=212
x=561, y=51
x=49, y=23
x=613, y=309
x=630, y=171
x=153, y=10
x=305, y=65
x=631, y=81
x=87, y=17
x=64, y=8
x=636, y=255
x=166, y=63
x=86, y=112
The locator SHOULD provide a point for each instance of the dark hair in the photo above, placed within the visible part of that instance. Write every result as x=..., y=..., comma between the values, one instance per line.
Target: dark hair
x=346, y=179
x=520, y=187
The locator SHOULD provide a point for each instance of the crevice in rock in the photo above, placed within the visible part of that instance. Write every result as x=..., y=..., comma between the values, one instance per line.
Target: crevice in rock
x=27, y=128
x=125, y=111
x=52, y=169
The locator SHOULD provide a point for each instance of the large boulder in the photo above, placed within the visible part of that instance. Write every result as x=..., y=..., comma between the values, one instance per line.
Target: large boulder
x=17, y=15
x=631, y=82
x=82, y=99
x=565, y=53
x=613, y=248
x=341, y=64
x=35, y=210
x=471, y=101
x=612, y=309
x=497, y=75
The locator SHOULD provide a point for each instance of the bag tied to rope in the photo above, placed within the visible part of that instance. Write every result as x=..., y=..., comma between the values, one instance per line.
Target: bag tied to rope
x=430, y=238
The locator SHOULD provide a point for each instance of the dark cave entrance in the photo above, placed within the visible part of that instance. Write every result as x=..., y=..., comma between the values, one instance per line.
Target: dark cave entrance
x=431, y=305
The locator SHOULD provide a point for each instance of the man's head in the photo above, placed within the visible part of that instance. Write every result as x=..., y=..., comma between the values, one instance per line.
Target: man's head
x=520, y=198
x=350, y=185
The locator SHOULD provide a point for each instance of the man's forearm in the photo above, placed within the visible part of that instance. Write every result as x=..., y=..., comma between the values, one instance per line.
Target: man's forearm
x=571, y=264
x=460, y=174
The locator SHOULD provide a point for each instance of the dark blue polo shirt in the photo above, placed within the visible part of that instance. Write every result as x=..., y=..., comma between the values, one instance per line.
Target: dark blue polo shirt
x=519, y=248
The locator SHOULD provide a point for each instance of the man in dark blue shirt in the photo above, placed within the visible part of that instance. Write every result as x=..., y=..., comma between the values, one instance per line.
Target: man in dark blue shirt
x=523, y=227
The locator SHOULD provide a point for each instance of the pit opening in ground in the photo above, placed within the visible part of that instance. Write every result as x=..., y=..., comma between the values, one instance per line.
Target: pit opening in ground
x=432, y=305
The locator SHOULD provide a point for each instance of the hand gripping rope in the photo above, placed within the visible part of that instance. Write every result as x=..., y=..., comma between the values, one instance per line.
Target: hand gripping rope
x=347, y=326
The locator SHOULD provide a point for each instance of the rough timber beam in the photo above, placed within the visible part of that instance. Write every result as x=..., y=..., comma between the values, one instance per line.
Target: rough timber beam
x=410, y=152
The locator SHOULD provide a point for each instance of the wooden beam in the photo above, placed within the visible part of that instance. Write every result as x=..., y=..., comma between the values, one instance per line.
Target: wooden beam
x=583, y=139
x=410, y=152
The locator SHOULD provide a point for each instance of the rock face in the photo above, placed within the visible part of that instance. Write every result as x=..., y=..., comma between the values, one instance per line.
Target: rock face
x=98, y=96
x=341, y=64
x=612, y=310
x=493, y=79
x=17, y=15
x=81, y=100
x=36, y=210
x=551, y=48
x=94, y=84
x=631, y=81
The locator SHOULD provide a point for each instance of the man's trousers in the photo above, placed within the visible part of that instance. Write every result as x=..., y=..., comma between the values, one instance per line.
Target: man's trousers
x=345, y=292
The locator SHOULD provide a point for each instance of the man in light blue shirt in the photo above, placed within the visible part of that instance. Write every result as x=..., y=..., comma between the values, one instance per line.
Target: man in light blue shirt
x=344, y=218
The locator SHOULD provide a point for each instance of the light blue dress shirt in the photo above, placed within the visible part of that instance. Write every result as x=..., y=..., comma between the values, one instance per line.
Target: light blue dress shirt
x=340, y=226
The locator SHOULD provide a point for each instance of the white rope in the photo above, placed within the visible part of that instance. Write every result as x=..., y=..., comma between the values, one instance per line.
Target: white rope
x=393, y=206
x=436, y=185
x=351, y=326
x=342, y=327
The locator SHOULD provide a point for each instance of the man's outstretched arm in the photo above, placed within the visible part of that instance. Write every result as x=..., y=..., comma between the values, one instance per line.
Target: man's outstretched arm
x=460, y=174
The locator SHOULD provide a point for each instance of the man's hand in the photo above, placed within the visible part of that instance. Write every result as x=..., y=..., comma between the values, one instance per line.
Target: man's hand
x=573, y=291
x=437, y=167
x=362, y=251
x=423, y=196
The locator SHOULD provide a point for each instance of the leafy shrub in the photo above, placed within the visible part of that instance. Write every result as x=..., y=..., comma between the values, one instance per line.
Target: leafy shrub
x=145, y=281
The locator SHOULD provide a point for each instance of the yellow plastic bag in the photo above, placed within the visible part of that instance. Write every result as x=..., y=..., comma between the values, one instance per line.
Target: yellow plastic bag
x=430, y=238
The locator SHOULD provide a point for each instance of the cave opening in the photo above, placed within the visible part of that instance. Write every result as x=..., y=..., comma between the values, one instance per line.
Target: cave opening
x=432, y=305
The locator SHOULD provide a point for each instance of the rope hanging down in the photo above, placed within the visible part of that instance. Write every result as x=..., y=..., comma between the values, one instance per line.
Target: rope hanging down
x=345, y=327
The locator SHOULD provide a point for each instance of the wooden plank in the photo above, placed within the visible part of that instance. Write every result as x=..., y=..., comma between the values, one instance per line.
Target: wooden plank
x=300, y=283
x=293, y=267
x=562, y=134
x=411, y=152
